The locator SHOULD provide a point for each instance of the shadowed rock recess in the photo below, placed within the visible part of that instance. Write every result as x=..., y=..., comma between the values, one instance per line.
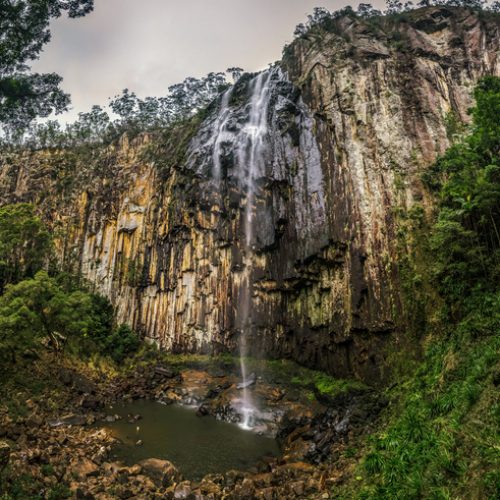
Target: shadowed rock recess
x=355, y=114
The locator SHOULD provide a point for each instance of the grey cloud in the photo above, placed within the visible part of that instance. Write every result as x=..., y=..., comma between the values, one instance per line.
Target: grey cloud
x=148, y=45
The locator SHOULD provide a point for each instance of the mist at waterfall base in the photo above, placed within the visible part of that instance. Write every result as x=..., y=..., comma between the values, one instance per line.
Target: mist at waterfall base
x=195, y=445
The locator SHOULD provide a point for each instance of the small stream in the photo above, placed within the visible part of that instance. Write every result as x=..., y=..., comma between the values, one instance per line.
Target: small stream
x=195, y=445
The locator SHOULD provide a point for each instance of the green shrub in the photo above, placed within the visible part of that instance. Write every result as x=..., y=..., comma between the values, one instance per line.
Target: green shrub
x=465, y=239
x=123, y=342
x=39, y=309
x=440, y=439
x=24, y=243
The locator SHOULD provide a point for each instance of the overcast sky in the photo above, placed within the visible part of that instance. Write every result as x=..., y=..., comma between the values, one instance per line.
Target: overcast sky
x=147, y=45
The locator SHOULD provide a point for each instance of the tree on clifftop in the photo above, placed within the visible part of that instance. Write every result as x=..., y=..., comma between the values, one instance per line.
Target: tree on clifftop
x=24, y=30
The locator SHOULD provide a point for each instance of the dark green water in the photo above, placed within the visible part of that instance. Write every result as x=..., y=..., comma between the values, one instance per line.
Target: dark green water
x=195, y=445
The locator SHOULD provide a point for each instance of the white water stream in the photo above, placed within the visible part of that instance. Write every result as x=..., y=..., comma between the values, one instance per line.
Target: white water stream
x=251, y=154
x=247, y=136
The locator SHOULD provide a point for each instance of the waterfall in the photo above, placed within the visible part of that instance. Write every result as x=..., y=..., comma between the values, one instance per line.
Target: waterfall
x=264, y=135
x=251, y=148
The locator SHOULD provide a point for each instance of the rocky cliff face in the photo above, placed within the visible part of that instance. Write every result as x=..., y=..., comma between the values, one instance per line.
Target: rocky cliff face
x=279, y=225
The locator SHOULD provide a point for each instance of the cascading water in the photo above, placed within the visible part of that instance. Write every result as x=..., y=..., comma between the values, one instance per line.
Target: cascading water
x=269, y=135
x=251, y=154
x=251, y=148
x=220, y=133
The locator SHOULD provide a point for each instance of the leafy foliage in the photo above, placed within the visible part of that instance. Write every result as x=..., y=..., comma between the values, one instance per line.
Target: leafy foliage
x=425, y=451
x=43, y=310
x=182, y=103
x=24, y=97
x=39, y=308
x=24, y=30
x=24, y=27
x=47, y=309
x=441, y=436
x=465, y=238
x=24, y=243
x=123, y=342
x=184, y=100
x=28, y=486
x=325, y=385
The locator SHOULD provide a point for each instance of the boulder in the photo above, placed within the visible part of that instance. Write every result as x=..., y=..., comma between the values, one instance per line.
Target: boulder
x=4, y=455
x=162, y=472
x=83, y=385
x=70, y=419
x=208, y=487
x=247, y=489
x=248, y=382
x=36, y=456
x=164, y=372
x=34, y=420
x=90, y=403
x=111, y=468
x=182, y=490
x=84, y=468
x=298, y=488
x=144, y=483
x=263, y=480
x=133, y=470
x=66, y=376
x=202, y=411
x=266, y=494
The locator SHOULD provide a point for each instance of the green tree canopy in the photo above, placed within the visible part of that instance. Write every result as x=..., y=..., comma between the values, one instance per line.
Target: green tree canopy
x=40, y=308
x=24, y=30
x=24, y=243
x=52, y=311
x=466, y=237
